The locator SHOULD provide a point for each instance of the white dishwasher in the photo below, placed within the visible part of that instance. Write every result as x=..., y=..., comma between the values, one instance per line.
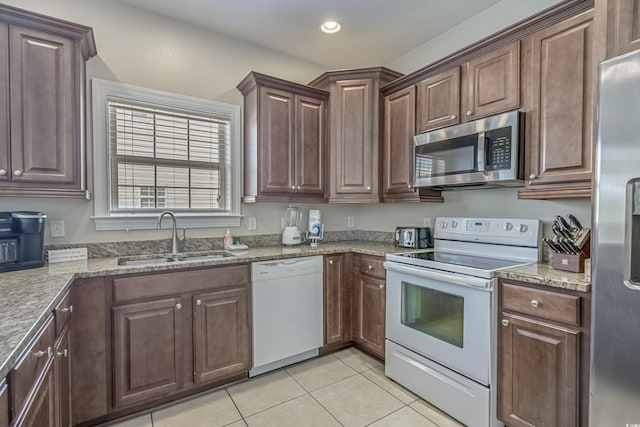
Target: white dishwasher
x=287, y=312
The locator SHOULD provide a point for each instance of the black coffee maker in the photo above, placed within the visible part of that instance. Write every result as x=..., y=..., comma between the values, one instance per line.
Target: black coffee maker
x=21, y=240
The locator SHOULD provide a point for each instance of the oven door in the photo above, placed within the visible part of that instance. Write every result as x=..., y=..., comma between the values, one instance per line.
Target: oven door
x=443, y=316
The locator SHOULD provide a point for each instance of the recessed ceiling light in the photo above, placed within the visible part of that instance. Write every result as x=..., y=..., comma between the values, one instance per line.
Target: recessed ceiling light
x=330, y=27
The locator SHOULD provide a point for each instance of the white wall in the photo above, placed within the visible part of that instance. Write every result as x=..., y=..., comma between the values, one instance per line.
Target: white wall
x=149, y=50
x=499, y=16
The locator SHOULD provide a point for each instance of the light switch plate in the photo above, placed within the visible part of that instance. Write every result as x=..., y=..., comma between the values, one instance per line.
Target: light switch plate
x=252, y=224
x=351, y=222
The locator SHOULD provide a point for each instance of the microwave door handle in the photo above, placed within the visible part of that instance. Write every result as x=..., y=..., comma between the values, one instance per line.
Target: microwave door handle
x=481, y=148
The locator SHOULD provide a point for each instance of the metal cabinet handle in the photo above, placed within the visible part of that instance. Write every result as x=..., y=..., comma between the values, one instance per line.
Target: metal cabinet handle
x=293, y=187
x=534, y=303
x=370, y=267
x=66, y=309
x=3, y=172
x=469, y=113
x=368, y=188
x=42, y=353
x=178, y=306
x=64, y=353
x=505, y=322
x=532, y=176
x=453, y=117
x=298, y=187
x=331, y=262
x=198, y=302
x=408, y=185
x=381, y=286
x=17, y=172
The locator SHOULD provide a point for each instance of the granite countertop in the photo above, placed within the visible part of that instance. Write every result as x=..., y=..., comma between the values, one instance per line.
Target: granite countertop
x=29, y=296
x=544, y=274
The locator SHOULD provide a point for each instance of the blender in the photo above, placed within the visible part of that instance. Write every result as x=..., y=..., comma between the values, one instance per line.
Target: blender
x=291, y=233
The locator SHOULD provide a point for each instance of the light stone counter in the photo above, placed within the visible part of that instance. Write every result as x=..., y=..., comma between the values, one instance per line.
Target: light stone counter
x=543, y=274
x=27, y=297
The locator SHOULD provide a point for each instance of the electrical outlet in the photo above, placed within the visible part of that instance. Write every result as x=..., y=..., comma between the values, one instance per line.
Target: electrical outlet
x=426, y=222
x=351, y=222
x=252, y=224
x=56, y=228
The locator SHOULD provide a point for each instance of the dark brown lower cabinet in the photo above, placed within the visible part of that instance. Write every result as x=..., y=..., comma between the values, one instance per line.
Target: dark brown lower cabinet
x=539, y=379
x=543, y=356
x=369, y=304
x=337, y=306
x=4, y=404
x=62, y=367
x=148, y=347
x=221, y=337
x=39, y=411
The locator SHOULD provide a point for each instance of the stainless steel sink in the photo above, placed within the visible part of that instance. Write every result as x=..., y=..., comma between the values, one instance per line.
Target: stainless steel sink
x=171, y=259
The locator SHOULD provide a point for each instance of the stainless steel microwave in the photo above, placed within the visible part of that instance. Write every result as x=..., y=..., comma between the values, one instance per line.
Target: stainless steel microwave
x=483, y=153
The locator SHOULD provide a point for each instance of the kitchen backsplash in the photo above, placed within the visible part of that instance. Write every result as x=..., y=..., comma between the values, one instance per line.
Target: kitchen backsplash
x=145, y=247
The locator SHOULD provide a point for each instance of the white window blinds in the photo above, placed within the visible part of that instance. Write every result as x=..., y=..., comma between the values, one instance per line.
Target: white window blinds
x=163, y=159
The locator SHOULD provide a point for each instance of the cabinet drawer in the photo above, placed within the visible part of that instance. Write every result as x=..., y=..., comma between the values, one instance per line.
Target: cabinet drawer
x=31, y=364
x=372, y=266
x=163, y=284
x=62, y=312
x=550, y=305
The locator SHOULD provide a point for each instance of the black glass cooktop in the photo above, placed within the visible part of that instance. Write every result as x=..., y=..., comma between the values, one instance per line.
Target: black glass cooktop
x=462, y=260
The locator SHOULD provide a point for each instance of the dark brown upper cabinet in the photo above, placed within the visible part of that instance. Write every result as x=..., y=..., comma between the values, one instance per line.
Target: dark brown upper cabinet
x=438, y=101
x=397, y=161
x=561, y=91
x=284, y=140
x=623, y=26
x=355, y=111
x=42, y=99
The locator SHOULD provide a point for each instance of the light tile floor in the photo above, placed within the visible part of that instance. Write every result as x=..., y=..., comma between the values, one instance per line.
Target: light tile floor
x=347, y=388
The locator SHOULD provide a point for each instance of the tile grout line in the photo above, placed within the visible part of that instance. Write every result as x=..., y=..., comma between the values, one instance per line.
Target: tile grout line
x=236, y=406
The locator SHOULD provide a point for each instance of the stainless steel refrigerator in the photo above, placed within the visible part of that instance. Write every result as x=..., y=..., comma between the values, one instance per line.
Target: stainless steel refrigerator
x=615, y=342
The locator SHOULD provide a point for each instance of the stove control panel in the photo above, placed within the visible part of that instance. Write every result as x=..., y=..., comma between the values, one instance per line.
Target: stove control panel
x=507, y=231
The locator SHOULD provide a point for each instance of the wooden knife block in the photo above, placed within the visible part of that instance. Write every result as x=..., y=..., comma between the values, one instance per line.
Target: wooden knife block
x=573, y=263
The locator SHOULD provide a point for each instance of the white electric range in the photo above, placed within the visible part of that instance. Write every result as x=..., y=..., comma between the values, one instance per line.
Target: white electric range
x=441, y=317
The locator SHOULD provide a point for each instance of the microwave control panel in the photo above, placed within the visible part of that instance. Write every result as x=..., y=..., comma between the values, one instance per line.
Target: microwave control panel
x=498, y=149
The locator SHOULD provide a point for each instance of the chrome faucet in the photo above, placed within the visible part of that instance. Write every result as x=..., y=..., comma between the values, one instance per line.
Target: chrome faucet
x=174, y=238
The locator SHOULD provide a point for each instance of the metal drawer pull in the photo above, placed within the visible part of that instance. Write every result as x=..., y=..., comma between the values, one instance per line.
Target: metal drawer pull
x=370, y=267
x=3, y=172
x=469, y=113
x=198, y=302
x=64, y=353
x=42, y=353
x=178, y=306
x=535, y=303
x=505, y=322
x=67, y=309
x=381, y=286
x=453, y=117
x=17, y=172
x=331, y=262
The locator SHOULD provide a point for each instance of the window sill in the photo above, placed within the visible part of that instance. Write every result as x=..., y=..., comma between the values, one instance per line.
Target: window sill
x=150, y=221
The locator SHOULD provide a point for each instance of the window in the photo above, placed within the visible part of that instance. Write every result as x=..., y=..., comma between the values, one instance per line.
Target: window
x=163, y=151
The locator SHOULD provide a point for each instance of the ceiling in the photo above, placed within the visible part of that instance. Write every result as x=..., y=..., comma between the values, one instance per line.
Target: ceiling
x=374, y=32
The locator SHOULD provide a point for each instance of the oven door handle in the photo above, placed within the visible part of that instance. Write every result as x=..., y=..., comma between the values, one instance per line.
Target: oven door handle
x=426, y=273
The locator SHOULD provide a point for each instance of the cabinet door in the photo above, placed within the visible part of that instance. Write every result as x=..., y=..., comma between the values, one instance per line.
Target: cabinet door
x=45, y=136
x=221, y=334
x=624, y=26
x=62, y=366
x=4, y=404
x=40, y=409
x=370, y=313
x=560, y=122
x=355, y=154
x=537, y=373
x=399, y=124
x=438, y=101
x=493, y=82
x=336, y=300
x=147, y=350
x=310, y=143
x=276, y=136
x=5, y=166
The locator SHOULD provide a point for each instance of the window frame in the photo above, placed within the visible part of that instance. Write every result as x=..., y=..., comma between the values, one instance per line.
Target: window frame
x=103, y=91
